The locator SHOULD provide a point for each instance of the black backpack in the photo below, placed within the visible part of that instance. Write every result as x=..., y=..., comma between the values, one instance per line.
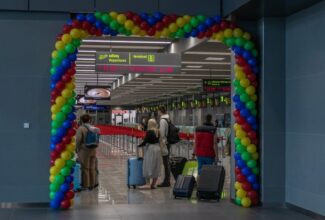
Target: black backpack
x=173, y=133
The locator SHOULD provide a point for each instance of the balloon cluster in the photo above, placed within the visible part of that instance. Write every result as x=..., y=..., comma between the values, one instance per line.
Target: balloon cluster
x=155, y=25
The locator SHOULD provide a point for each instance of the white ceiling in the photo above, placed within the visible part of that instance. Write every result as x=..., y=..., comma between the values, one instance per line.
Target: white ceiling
x=131, y=89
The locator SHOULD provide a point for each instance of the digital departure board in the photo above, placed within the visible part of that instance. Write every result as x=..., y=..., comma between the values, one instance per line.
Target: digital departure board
x=216, y=85
x=124, y=62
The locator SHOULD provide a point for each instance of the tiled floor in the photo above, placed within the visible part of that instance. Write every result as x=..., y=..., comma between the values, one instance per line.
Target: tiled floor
x=114, y=201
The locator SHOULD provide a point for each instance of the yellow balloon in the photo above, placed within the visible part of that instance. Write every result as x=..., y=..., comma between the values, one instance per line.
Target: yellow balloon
x=240, y=134
x=254, y=98
x=245, y=141
x=238, y=32
x=129, y=24
x=60, y=101
x=66, y=155
x=67, y=93
x=219, y=36
x=238, y=68
x=52, y=177
x=237, y=185
x=250, y=90
x=83, y=34
x=71, y=147
x=66, y=38
x=251, y=148
x=240, y=75
x=180, y=22
x=143, y=33
x=55, y=109
x=158, y=34
x=71, y=86
x=59, y=45
x=75, y=33
x=54, y=54
x=135, y=30
x=53, y=116
x=73, y=139
x=247, y=36
x=54, y=170
x=59, y=163
x=244, y=83
x=173, y=27
x=113, y=14
x=246, y=202
x=241, y=193
x=165, y=32
x=187, y=18
x=255, y=156
x=227, y=32
x=121, y=18
x=237, y=126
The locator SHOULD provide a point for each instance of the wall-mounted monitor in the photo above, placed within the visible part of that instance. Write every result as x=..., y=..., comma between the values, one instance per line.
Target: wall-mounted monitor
x=99, y=92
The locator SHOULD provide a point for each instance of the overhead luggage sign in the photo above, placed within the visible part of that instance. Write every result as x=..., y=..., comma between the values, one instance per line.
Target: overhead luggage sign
x=129, y=62
x=216, y=85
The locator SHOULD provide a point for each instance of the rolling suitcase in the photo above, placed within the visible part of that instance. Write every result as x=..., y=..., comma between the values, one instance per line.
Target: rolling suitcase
x=177, y=165
x=210, y=184
x=184, y=186
x=134, y=172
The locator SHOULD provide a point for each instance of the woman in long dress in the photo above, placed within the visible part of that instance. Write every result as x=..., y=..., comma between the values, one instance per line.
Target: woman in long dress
x=152, y=156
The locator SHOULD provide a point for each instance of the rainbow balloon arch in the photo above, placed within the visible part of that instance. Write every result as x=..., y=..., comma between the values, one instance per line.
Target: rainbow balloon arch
x=63, y=126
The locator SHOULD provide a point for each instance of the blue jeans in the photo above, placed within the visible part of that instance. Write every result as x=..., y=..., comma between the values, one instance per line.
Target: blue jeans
x=204, y=161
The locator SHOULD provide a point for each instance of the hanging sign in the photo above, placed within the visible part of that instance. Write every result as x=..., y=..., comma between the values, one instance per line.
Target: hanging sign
x=216, y=85
x=129, y=62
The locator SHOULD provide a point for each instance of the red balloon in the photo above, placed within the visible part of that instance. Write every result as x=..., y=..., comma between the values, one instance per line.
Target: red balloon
x=215, y=28
x=224, y=24
x=72, y=132
x=86, y=25
x=255, y=84
x=76, y=24
x=66, y=78
x=129, y=15
x=246, y=68
x=240, y=178
x=246, y=127
x=69, y=195
x=71, y=186
x=52, y=162
x=173, y=18
x=54, y=93
x=240, y=120
x=60, y=86
x=246, y=186
x=252, y=194
x=236, y=113
x=98, y=33
x=201, y=35
x=233, y=25
x=255, y=141
x=66, y=140
x=159, y=26
x=250, y=77
x=237, y=170
x=65, y=204
x=255, y=201
x=151, y=31
x=71, y=71
x=66, y=29
x=54, y=155
x=240, y=61
x=92, y=30
x=252, y=134
x=60, y=147
x=137, y=19
x=144, y=25
x=208, y=34
x=59, y=37
x=166, y=20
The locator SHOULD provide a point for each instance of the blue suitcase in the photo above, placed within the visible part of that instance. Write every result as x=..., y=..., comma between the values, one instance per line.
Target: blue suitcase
x=77, y=177
x=134, y=172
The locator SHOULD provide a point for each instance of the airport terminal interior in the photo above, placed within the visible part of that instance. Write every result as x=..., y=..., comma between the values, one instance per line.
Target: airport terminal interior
x=115, y=96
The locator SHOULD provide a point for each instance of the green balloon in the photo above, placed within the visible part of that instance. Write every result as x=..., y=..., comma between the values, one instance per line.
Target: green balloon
x=237, y=141
x=250, y=105
x=70, y=163
x=54, y=187
x=230, y=41
x=179, y=33
x=71, y=101
x=76, y=42
x=172, y=35
x=66, y=109
x=201, y=18
x=72, y=155
x=256, y=170
x=254, y=112
x=122, y=30
x=187, y=28
x=194, y=22
x=74, y=94
x=255, y=53
x=128, y=33
x=238, y=201
x=236, y=83
x=59, y=179
x=65, y=171
x=52, y=195
x=60, y=117
x=251, y=163
x=249, y=45
x=240, y=148
x=244, y=97
x=53, y=70
x=106, y=18
x=56, y=124
x=240, y=41
x=240, y=90
x=114, y=25
x=62, y=54
x=245, y=156
x=70, y=48
x=98, y=15
x=56, y=62
x=53, y=131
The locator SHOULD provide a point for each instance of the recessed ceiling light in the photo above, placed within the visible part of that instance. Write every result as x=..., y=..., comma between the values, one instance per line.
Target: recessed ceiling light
x=86, y=51
x=215, y=58
x=207, y=53
x=121, y=47
x=90, y=59
x=126, y=41
x=189, y=66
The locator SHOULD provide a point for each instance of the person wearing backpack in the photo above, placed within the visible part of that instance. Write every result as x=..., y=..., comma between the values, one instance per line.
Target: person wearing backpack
x=87, y=140
x=168, y=135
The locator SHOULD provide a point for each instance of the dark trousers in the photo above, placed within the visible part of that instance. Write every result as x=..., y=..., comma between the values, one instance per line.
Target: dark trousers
x=166, y=166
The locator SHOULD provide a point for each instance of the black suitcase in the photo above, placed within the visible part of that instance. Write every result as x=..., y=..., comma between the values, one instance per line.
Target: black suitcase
x=184, y=186
x=210, y=183
x=177, y=165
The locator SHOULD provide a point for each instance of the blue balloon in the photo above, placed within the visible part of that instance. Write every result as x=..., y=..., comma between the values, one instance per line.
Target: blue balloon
x=240, y=106
x=81, y=17
x=52, y=147
x=99, y=24
x=237, y=156
x=202, y=27
x=254, y=126
x=72, y=57
x=236, y=98
x=59, y=196
x=217, y=19
x=69, y=179
x=71, y=117
x=246, y=171
x=55, y=204
x=209, y=22
x=55, y=78
x=247, y=55
x=158, y=15
x=144, y=16
x=194, y=32
x=55, y=139
x=245, y=112
x=114, y=33
x=252, y=62
x=67, y=124
x=252, y=178
x=240, y=163
x=64, y=188
x=69, y=22
x=238, y=50
x=256, y=186
x=66, y=63
x=91, y=18
x=106, y=31
x=53, y=84
x=151, y=20
x=59, y=70
x=61, y=132
x=251, y=120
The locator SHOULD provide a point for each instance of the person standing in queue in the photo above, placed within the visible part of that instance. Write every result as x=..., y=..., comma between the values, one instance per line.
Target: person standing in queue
x=86, y=156
x=205, y=148
x=164, y=146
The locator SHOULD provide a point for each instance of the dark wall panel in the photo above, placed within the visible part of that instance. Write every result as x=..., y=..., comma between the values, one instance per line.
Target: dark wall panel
x=14, y=4
x=62, y=5
x=127, y=5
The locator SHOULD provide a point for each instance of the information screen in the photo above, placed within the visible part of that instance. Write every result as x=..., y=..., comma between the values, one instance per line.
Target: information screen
x=97, y=92
x=216, y=85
